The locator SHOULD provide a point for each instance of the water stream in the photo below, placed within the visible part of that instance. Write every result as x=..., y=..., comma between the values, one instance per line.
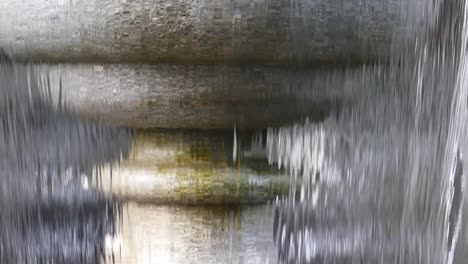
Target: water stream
x=48, y=214
x=382, y=180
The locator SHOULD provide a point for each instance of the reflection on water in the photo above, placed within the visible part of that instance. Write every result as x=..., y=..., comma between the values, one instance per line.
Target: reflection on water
x=199, y=235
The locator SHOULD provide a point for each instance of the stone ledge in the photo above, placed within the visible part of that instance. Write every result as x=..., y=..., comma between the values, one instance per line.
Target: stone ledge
x=204, y=31
x=194, y=168
x=206, y=97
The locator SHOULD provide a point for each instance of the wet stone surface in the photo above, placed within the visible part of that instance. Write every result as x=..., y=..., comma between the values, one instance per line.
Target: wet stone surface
x=208, y=96
x=199, y=235
x=207, y=31
x=197, y=168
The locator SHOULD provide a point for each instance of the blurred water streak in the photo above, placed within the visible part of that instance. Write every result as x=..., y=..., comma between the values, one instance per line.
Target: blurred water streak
x=46, y=155
x=383, y=180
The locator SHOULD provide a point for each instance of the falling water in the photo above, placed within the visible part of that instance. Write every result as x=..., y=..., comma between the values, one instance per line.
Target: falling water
x=50, y=214
x=382, y=180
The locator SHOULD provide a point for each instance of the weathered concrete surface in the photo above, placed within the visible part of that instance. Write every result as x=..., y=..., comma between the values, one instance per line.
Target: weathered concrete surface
x=195, y=235
x=201, y=31
x=195, y=167
x=208, y=96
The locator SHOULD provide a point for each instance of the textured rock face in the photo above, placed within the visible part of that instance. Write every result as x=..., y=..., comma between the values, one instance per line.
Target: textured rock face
x=195, y=167
x=199, y=31
x=196, y=235
x=210, y=96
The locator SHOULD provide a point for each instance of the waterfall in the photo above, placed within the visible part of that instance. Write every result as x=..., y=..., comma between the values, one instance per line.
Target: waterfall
x=46, y=154
x=382, y=181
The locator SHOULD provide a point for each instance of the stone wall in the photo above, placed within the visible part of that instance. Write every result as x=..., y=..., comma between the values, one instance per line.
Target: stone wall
x=195, y=167
x=207, y=96
x=199, y=31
